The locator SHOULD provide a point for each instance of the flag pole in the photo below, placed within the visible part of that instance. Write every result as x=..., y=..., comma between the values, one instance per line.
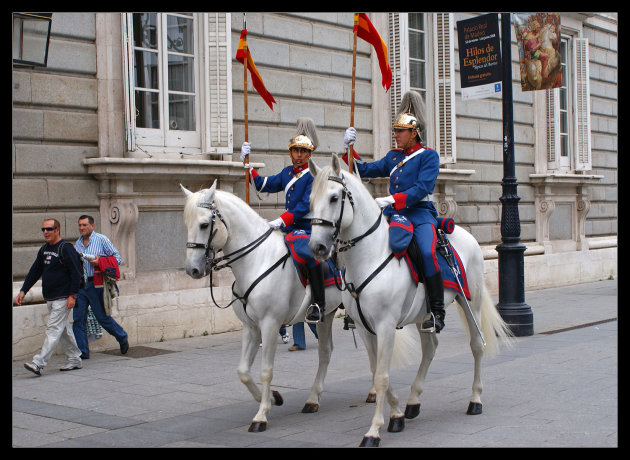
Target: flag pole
x=245, y=61
x=354, y=70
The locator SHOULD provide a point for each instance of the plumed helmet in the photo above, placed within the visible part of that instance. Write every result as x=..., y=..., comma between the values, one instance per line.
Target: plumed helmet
x=301, y=141
x=306, y=135
x=411, y=112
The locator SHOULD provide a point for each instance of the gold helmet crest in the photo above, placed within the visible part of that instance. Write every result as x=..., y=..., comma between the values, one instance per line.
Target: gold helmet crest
x=302, y=141
x=406, y=120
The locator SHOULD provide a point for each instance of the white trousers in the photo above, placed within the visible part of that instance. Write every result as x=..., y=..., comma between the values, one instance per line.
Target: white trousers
x=58, y=331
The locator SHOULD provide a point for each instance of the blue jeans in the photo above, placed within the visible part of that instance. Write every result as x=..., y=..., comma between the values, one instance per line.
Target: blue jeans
x=93, y=296
x=299, y=340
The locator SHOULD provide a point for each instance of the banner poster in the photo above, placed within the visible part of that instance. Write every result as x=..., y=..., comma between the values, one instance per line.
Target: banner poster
x=538, y=39
x=479, y=56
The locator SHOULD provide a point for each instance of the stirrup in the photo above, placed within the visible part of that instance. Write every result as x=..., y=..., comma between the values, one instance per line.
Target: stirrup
x=429, y=330
x=348, y=323
x=311, y=321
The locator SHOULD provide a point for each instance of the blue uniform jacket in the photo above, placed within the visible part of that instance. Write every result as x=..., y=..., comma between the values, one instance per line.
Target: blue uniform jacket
x=297, y=196
x=409, y=184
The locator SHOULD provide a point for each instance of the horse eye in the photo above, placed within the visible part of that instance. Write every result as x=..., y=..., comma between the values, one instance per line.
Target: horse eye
x=204, y=225
x=334, y=198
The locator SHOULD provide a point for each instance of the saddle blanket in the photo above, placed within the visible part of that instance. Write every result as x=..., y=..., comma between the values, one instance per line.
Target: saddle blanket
x=447, y=274
x=329, y=275
x=400, y=234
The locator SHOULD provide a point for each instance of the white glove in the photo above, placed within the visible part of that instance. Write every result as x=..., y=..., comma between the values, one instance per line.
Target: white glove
x=275, y=224
x=385, y=201
x=246, y=149
x=350, y=137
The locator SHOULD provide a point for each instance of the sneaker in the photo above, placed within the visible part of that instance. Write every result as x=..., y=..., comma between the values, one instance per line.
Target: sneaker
x=34, y=368
x=71, y=367
x=285, y=338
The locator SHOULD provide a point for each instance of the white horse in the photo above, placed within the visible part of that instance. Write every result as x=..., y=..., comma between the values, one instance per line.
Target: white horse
x=344, y=213
x=267, y=284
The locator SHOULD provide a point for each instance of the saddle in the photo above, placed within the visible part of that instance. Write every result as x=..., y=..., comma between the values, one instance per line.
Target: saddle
x=401, y=234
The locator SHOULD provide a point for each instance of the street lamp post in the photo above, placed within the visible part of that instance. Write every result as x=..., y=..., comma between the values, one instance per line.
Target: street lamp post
x=512, y=307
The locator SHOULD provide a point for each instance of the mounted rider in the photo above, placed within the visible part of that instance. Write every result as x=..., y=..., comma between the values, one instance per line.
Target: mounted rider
x=296, y=180
x=413, y=170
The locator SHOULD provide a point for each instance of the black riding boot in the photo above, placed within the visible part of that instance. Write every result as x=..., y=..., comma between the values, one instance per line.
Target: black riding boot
x=435, y=291
x=434, y=287
x=318, y=300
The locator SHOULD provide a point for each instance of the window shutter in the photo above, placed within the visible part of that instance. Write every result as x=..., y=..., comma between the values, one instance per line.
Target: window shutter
x=130, y=106
x=444, y=86
x=582, y=115
x=218, y=80
x=553, y=135
x=394, y=50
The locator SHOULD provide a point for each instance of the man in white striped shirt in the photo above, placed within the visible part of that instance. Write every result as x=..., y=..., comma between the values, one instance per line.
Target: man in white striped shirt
x=94, y=244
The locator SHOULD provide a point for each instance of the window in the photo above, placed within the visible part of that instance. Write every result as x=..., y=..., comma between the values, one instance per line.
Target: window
x=178, y=82
x=424, y=43
x=568, y=111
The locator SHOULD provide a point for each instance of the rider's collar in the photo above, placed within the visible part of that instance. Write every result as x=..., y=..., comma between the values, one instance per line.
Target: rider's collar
x=297, y=169
x=409, y=151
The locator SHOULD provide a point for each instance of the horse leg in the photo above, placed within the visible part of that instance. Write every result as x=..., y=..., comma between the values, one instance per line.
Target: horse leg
x=385, y=346
x=477, y=348
x=370, y=345
x=429, y=344
x=324, y=348
x=269, y=333
x=249, y=348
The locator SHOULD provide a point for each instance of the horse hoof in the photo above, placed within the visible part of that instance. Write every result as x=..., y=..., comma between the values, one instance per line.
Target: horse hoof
x=396, y=424
x=277, y=399
x=310, y=408
x=371, y=398
x=370, y=442
x=412, y=410
x=474, y=408
x=257, y=427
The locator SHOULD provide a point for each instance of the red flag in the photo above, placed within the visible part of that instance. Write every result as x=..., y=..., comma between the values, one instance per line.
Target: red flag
x=256, y=79
x=366, y=31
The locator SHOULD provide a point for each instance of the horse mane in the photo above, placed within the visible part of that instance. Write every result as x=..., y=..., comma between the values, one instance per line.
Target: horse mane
x=222, y=198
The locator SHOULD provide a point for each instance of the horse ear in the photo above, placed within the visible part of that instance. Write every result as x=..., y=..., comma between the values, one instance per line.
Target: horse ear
x=207, y=198
x=185, y=190
x=312, y=167
x=336, y=165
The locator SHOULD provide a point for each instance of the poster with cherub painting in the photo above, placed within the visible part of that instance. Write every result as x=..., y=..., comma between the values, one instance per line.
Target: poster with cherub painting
x=538, y=38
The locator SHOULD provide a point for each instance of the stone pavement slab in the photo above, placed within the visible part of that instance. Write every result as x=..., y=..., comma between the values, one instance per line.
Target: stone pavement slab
x=557, y=388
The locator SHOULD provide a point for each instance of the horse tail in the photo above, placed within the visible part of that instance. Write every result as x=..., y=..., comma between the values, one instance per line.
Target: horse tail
x=405, y=353
x=494, y=329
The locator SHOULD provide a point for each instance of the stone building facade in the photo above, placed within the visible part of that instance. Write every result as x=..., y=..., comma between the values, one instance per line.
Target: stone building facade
x=131, y=105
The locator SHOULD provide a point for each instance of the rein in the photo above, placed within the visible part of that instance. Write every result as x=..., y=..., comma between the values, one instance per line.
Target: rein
x=212, y=263
x=341, y=246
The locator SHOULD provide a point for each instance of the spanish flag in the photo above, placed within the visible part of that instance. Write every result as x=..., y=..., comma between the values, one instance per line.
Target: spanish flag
x=256, y=79
x=366, y=31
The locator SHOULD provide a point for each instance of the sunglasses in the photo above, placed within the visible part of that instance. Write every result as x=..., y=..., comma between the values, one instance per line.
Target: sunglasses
x=48, y=229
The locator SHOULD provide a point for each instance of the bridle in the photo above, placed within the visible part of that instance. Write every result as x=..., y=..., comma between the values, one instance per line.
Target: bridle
x=341, y=246
x=208, y=246
x=212, y=263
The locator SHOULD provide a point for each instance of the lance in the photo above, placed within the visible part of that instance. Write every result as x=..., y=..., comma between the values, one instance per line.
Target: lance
x=245, y=108
x=354, y=70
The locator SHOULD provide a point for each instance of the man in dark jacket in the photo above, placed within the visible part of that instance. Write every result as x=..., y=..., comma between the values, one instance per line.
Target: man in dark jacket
x=57, y=263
